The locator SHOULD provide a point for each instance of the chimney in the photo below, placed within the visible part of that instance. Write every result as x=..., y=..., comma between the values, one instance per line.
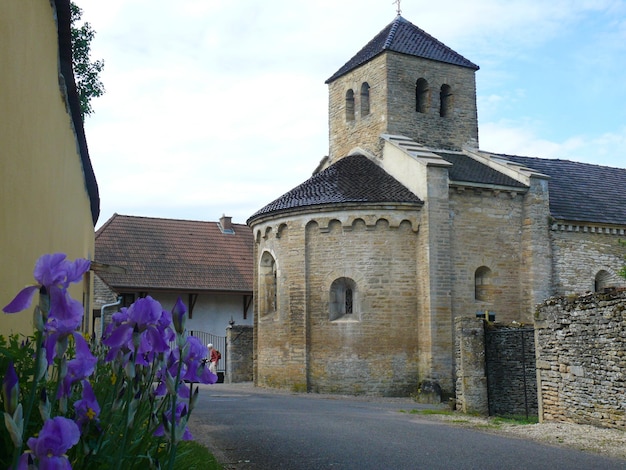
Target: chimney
x=226, y=225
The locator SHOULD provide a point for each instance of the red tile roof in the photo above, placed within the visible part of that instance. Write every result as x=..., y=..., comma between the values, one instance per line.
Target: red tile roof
x=170, y=254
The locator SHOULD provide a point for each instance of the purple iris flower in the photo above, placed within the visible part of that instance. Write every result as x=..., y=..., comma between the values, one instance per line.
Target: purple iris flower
x=59, y=328
x=56, y=437
x=87, y=408
x=192, y=369
x=54, y=273
x=79, y=368
x=144, y=328
x=181, y=411
x=179, y=314
x=10, y=389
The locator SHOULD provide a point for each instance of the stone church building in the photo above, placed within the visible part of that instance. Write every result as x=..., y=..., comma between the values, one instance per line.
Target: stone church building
x=361, y=270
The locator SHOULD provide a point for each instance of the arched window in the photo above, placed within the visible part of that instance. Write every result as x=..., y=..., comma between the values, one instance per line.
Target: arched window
x=603, y=281
x=445, y=100
x=268, y=284
x=350, y=105
x=482, y=284
x=342, y=299
x=365, y=99
x=422, y=96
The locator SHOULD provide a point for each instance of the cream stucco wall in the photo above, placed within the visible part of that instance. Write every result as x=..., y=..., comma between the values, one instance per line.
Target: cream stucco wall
x=44, y=201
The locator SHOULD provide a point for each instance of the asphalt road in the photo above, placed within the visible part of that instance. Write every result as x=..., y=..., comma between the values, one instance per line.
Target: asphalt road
x=250, y=428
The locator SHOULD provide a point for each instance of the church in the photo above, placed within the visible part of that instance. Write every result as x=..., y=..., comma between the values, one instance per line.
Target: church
x=407, y=224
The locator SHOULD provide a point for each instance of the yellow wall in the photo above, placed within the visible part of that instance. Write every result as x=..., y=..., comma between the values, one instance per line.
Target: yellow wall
x=44, y=202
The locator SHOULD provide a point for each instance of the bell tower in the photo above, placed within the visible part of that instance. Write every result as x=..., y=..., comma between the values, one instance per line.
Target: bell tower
x=404, y=82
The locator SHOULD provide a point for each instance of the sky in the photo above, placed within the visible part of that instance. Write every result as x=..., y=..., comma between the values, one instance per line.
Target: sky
x=216, y=107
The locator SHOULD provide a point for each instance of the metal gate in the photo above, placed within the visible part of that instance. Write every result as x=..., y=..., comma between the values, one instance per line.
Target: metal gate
x=219, y=343
x=511, y=371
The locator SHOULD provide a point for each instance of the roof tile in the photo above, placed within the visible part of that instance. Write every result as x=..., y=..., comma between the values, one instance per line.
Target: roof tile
x=173, y=254
x=352, y=179
x=466, y=169
x=404, y=37
x=581, y=192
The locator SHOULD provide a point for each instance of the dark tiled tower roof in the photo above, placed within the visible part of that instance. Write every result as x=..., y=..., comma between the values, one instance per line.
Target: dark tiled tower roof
x=404, y=37
x=353, y=179
x=581, y=192
x=175, y=255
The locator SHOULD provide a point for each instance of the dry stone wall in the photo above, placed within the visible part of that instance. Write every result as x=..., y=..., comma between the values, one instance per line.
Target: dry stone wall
x=581, y=359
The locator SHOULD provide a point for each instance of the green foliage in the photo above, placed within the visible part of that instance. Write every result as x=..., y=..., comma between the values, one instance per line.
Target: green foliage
x=120, y=402
x=194, y=456
x=86, y=71
x=21, y=351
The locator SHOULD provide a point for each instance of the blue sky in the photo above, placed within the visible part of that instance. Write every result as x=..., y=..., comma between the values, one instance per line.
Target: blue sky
x=218, y=107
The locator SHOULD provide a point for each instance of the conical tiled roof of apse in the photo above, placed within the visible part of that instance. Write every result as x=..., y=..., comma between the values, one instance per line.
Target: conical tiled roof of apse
x=404, y=37
x=354, y=179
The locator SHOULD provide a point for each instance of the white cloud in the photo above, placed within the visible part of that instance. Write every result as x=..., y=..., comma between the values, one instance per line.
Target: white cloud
x=516, y=138
x=216, y=106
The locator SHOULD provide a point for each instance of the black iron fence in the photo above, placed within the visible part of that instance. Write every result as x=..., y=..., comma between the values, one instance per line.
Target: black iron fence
x=511, y=371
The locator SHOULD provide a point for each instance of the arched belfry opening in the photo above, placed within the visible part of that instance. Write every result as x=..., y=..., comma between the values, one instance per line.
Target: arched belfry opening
x=422, y=96
x=365, y=99
x=445, y=101
x=350, y=105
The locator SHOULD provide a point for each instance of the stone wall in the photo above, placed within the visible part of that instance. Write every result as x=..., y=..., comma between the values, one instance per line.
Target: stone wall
x=471, y=382
x=458, y=129
x=373, y=350
x=487, y=232
x=301, y=345
x=239, y=360
x=581, y=359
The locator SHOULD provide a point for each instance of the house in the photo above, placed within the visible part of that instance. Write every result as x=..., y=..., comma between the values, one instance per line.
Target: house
x=361, y=271
x=207, y=264
x=49, y=198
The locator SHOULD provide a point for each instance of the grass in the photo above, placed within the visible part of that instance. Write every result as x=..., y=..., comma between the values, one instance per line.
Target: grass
x=492, y=422
x=515, y=419
x=428, y=412
x=193, y=456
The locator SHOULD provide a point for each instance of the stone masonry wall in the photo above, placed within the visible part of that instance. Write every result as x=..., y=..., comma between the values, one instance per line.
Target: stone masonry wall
x=280, y=334
x=581, y=359
x=239, y=341
x=392, y=79
x=580, y=252
x=471, y=382
x=363, y=131
x=374, y=350
x=486, y=232
x=454, y=131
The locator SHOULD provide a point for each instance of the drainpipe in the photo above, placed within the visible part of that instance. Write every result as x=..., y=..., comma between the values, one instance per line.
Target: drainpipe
x=113, y=304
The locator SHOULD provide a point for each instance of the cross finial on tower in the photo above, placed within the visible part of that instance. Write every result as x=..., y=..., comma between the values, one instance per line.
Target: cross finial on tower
x=397, y=3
